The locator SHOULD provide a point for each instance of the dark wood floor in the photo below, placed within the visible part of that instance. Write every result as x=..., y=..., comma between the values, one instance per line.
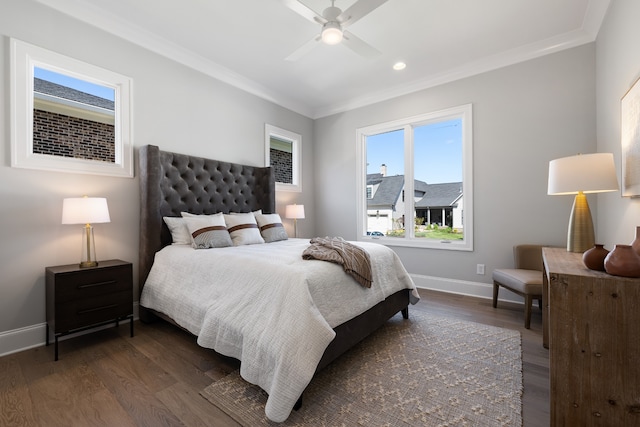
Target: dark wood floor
x=154, y=379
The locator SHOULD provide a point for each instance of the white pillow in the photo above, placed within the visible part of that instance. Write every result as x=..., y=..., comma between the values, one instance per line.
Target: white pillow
x=259, y=211
x=179, y=232
x=243, y=229
x=190, y=215
x=208, y=231
x=271, y=228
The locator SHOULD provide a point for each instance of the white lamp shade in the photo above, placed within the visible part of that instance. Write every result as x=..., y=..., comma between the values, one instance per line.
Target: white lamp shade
x=85, y=210
x=587, y=173
x=294, y=212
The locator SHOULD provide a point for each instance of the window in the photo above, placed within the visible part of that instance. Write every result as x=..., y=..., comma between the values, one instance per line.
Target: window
x=282, y=153
x=429, y=156
x=68, y=115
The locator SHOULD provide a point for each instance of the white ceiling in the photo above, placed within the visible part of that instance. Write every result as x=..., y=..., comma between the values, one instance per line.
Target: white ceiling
x=245, y=42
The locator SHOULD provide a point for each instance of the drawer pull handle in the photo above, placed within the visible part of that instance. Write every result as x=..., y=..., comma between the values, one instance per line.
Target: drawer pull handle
x=91, y=310
x=92, y=285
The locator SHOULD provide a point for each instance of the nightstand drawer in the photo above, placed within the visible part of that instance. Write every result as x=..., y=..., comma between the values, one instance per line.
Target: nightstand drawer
x=80, y=313
x=91, y=283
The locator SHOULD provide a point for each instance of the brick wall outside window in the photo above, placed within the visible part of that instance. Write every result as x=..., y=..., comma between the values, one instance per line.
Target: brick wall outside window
x=65, y=136
x=282, y=164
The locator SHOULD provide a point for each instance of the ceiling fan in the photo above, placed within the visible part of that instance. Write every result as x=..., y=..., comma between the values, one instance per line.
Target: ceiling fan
x=334, y=21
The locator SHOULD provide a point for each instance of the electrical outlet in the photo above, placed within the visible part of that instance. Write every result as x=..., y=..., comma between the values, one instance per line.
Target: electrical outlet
x=480, y=269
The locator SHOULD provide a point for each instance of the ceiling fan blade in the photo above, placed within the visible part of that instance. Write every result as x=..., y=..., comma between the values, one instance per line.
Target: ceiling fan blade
x=303, y=50
x=359, y=46
x=358, y=10
x=304, y=11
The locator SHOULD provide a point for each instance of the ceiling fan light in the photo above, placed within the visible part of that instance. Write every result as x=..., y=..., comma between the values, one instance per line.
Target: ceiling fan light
x=331, y=33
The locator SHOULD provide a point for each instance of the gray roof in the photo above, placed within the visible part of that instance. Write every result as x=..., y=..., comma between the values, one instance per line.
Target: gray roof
x=420, y=186
x=440, y=195
x=390, y=188
x=388, y=191
x=48, y=88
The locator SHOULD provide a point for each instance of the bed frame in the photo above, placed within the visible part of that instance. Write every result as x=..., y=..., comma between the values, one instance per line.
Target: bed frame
x=171, y=183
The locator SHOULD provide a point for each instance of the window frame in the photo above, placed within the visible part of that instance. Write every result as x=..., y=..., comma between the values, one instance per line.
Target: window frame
x=24, y=59
x=463, y=112
x=296, y=155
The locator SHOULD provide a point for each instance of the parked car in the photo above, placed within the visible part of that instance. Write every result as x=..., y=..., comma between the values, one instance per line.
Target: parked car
x=374, y=233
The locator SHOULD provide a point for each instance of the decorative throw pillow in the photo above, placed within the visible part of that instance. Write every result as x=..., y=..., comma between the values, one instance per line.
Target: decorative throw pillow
x=271, y=227
x=243, y=229
x=208, y=231
x=179, y=232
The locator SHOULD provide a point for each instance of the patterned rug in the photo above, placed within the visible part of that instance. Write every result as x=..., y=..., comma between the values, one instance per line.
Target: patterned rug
x=426, y=371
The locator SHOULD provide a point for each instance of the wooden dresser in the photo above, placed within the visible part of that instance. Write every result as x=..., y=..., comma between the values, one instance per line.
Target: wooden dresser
x=591, y=324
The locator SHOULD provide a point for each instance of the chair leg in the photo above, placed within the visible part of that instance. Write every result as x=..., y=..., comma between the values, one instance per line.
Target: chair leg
x=496, y=287
x=527, y=311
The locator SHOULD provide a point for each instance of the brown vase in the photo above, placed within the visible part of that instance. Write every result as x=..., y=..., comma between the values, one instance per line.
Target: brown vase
x=636, y=243
x=594, y=258
x=623, y=261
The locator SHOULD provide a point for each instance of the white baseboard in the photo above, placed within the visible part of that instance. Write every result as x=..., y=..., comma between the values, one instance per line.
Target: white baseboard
x=32, y=336
x=22, y=339
x=463, y=287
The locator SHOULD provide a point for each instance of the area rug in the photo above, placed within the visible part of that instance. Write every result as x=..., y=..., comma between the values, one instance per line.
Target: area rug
x=425, y=371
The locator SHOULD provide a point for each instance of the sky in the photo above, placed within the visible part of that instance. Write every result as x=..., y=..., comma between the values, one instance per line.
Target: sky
x=81, y=85
x=437, y=150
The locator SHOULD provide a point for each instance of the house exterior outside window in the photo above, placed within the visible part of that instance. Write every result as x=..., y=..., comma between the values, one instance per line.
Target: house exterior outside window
x=71, y=123
x=428, y=156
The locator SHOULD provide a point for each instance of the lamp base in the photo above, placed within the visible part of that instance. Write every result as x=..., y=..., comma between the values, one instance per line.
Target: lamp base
x=580, y=236
x=88, y=251
x=87, y=264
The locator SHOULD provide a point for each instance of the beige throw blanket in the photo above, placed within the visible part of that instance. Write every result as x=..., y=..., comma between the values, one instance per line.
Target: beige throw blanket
x=354, y=260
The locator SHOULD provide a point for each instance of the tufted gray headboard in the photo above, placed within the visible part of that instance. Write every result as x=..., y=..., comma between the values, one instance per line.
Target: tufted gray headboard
x=171, y=183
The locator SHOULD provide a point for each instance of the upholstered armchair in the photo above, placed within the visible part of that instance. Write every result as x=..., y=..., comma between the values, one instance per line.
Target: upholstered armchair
x=525, y=279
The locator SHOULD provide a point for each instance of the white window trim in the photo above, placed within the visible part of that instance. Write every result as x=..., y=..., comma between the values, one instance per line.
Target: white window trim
x=24, y=58
x=466, y=113
x=296, y=147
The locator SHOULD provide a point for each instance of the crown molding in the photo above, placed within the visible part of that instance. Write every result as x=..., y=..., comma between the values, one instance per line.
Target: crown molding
x=112, y=24
x=490, y=63
x=596, y=11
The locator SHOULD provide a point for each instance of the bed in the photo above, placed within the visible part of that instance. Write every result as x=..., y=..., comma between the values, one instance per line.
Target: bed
x=171, y=184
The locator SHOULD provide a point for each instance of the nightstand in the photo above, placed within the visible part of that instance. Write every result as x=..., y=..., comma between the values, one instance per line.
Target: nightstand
x=83, y=298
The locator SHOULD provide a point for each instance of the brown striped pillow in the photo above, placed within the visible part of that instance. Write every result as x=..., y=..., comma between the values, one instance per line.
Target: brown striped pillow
x=243, y=229
x=271, y=227
x=208, y=231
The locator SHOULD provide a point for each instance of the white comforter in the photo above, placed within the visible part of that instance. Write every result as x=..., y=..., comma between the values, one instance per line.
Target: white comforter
x=266, y=306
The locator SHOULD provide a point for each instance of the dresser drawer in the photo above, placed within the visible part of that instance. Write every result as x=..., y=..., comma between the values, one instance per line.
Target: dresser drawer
x=92, y=283
x=81, y=313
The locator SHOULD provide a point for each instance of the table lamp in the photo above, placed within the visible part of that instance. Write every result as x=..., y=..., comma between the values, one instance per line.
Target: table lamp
x=295, y=212
x=580, y=175
x=87, y=211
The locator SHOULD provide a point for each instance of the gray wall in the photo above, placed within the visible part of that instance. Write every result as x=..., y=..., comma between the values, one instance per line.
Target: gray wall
x=523, y=116
x=175, y=107
x=617, y=68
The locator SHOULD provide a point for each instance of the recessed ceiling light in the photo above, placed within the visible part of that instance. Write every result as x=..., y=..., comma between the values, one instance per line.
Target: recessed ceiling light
x=399, y=66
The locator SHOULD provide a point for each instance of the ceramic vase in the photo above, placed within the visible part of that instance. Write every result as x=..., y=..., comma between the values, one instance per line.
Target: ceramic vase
x=636, y=243
x=593, y=258
x=623, y=261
